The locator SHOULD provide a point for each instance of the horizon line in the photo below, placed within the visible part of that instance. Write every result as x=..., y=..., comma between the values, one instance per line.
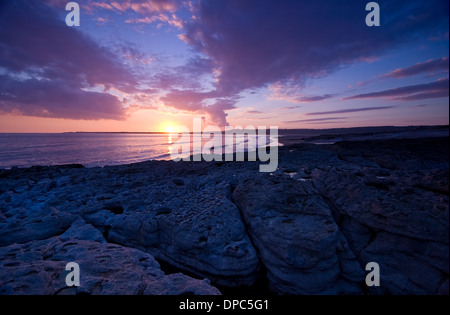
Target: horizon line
x=284, y=129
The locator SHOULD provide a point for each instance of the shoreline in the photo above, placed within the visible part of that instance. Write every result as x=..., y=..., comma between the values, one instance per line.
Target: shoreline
x=311, y=226
x=311, y=136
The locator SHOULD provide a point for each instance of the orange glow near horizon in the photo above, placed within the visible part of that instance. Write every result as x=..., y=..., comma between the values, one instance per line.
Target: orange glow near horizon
x=139, y=121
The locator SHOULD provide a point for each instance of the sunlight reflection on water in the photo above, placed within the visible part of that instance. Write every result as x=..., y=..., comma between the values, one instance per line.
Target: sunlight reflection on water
x=89, y=149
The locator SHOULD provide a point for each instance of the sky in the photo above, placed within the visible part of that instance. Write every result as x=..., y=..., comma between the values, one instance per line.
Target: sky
x=153, y=65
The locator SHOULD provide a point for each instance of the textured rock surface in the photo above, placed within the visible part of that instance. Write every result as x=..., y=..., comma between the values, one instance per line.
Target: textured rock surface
x=404, y=225
x=312, y=225
x=193, y=225
x=38, y=267
x=299, y=242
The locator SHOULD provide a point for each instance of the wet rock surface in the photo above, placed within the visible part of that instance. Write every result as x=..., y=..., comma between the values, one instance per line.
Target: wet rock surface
x=311, y=226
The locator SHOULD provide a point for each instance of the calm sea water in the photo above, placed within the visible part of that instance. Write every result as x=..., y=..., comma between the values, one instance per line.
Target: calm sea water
x=89, y=149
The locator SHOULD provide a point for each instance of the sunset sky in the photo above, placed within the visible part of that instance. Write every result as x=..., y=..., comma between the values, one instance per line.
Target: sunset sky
x=148, y=65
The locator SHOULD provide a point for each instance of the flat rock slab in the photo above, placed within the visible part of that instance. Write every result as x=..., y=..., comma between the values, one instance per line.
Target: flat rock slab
x=38, y=267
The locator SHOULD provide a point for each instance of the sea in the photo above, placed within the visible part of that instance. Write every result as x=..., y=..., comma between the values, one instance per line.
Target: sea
x=101, y=149
x=91, y=149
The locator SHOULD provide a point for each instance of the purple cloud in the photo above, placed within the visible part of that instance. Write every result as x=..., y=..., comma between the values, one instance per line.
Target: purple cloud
x=315, y=120
x=50, y=69
x=257, y=43
x=310, y=99
x=211, y=103
x=56, y=99
x=141, y=11
x=428, y=67
x=184, y=77
x=350, y=110
x=290, y=92
x=238, y=46
x=435, y=89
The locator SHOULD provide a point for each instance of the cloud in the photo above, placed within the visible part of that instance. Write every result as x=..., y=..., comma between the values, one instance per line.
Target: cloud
x=200, y=102
x=56, y=66
x=238, y=46
x=309, y=99
x=315, y=120
x=217, y=111
x=289, y=107
x=332, y=119
x=429, y=67
x=170, y=19
x=435, y=89
x=350, y=110
x=102, y=5
x=149, y=6
x=257, y=43
x=291, y=92
x=187, y=92
x=57, y=99
x=150, y=11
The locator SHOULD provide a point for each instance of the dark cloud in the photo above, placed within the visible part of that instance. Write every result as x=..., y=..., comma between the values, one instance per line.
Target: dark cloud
x=56, y=99
x=217, y=111
x=435, y=89
x=290, y=107
x=428, y=67
x=201, y=102
x=310, y=99
x=315, y=120
x=185, y=77
x=256, y=43
x=350, y=110
x=53, y=64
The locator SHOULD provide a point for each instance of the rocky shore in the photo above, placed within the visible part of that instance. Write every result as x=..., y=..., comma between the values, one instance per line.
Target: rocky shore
x=308, y=228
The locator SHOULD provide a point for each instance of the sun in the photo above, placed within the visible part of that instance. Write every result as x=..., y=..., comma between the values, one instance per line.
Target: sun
x=169, y=129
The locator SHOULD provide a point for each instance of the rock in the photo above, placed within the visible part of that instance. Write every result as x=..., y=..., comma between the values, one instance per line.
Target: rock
x=412, y=215
x=443, y=290
x=38, y=267
x=138, y=229
x=198, y=231
x=81, y=231
x=315, y=222
x=395, y=216
x=51, y=185
x=407, y=266
x=179, y=284
x=33, y=224
x=178, y=181
x=71, y=166
x=297, y=238
x=100, y=219
x=114, y=207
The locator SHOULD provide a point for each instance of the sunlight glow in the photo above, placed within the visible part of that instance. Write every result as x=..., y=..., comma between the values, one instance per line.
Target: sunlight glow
x=169, y=129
